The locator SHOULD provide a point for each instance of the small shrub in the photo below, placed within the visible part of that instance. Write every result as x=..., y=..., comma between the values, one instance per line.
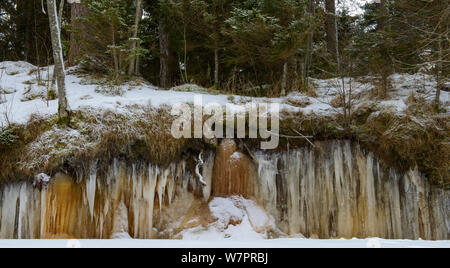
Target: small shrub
x=418, y=105
x=298, y=101
x=337, y=102
x=110, y=90
x=51, y=94
x=7, y=137
x=5, y=91
x=32, y=93
x=28, y=82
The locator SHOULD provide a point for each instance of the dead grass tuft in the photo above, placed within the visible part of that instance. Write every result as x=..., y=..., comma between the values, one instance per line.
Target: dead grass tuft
x=407, y=141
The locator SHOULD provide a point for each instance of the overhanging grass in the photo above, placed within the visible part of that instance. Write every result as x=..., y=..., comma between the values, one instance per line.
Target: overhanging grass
x=416, y=138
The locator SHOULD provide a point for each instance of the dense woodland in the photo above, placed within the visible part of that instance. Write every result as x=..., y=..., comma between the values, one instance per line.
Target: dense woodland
x=251, y=47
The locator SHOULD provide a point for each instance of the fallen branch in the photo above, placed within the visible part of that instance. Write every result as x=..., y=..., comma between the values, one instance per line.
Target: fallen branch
x=250, y=152
x=295, y=137
x=307, y=138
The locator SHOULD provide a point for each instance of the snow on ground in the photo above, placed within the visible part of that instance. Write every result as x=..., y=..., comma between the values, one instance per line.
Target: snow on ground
x=21, y=95
x=15, y=86
x=275, y=243
x=236, y=218
x=238, y=223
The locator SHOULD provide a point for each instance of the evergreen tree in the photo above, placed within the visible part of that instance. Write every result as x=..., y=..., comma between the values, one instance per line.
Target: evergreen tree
x=332, y=32
x=265, y=35
x=106, y=40
x=428, y=21
x=77, y=11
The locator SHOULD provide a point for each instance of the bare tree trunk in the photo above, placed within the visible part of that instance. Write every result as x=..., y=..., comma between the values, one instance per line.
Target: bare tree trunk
x=185, y=54
x=440, y=78
x=27, y=34
x=63, y=109
x=384, y=83
x=385, y=70
x=60, y=14
x=132, y=64
x=332, y=35
x=216, y=68
x=308, y=55
x=137, y=70
x=164, y=56
x=114, y=52
x=77, y=10
x=284, y=79
x=383, y=15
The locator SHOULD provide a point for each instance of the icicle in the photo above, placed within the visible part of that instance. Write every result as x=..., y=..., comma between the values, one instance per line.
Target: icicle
x=151, y=185
x=337, y=191
x=162, y=182
x=197, y=169
x=120, y=222
x=344, y=192
x=371, y=200
x=9, y=205
x=207, y=174
x=91, y=188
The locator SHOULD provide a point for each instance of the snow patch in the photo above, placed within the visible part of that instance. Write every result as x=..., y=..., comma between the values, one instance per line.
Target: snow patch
x=16, y=67
x=235, y=218
x=121, y=236
x=236, y=156
x=18, y=77
x=41, y=180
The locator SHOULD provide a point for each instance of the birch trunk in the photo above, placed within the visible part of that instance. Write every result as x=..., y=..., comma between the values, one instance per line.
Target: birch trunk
x=63, y=109
x=60, y=14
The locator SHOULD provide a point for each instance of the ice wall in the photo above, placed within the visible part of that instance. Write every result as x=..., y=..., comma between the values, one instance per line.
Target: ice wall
x=334, y=190
x=121, y=201
x=338, y=190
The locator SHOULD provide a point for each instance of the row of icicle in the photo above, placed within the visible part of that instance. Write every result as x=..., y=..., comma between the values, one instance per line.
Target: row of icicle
x=335, y=190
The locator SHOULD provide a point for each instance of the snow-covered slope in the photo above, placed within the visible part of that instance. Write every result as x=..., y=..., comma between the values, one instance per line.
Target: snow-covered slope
x=23, y=94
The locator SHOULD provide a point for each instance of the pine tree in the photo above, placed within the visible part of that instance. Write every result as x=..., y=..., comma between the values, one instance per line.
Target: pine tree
x=77, y=11
x=105, y=39
x=266, y=36
x=332, y=35
x=309, y=47
x=428, y=23
x=163, y=54
x=134, y=42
